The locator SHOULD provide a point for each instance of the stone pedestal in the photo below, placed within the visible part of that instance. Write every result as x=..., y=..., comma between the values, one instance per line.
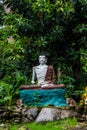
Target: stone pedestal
x=47, y=96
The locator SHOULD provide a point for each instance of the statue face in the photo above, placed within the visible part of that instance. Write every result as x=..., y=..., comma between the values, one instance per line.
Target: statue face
x=42, y=60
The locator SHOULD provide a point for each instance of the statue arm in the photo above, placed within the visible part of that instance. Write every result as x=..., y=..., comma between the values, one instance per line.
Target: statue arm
x=33, y=76
x=53, y=76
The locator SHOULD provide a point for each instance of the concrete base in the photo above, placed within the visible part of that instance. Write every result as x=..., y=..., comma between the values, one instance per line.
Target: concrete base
x=43, y=97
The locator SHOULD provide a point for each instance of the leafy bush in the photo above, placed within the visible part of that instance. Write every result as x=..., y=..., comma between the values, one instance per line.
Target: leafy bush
x=9, y=93
x=57, y=27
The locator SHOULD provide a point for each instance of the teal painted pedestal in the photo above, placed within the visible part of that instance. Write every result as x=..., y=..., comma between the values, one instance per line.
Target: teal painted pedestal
x=43, y=97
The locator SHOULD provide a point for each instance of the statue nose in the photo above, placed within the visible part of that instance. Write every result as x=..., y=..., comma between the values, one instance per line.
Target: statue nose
x=42, y=60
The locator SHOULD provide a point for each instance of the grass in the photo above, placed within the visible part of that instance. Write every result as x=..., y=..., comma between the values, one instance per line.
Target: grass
x=65, y=124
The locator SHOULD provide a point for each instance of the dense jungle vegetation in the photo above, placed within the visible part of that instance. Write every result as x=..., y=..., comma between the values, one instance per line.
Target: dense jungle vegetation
x=58, y=27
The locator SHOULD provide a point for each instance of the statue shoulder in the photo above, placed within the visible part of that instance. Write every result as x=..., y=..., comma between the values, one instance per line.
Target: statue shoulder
x=34, y=67
x=50, y=67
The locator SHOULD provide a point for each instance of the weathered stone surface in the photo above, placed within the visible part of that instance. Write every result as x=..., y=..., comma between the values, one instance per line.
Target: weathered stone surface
x=16, y=115
x=40, y=115
x=69, y=113
x=43, y=97
x=48, y=114
x=5, y=114
x=30, y=114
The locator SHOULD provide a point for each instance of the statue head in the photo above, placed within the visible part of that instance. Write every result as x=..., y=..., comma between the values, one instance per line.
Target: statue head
x=42, y=59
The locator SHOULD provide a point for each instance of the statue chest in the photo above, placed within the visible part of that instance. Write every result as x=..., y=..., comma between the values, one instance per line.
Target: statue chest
x=41, y=72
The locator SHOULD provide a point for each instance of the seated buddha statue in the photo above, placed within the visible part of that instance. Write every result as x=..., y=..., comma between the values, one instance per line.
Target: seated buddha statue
x=43, y=91
x=44, y=74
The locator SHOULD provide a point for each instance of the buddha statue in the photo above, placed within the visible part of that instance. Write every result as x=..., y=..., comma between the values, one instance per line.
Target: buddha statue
x=43, y=73
x=43, y=90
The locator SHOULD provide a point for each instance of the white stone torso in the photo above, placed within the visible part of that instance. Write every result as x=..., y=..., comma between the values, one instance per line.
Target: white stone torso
x=41, y=71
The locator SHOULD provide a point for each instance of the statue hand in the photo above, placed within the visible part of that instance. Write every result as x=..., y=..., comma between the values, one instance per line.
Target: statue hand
x=32, y=82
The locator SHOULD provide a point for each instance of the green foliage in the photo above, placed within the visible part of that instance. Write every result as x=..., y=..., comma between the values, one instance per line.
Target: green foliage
x=54, y=125
x=57, y=27
x=5, y=88
x=9, y=93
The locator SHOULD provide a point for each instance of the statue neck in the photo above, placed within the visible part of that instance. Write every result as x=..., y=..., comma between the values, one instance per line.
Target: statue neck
x=42, y=65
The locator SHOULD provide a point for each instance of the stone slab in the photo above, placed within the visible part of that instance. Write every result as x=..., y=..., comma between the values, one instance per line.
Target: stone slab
x=45, y=97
